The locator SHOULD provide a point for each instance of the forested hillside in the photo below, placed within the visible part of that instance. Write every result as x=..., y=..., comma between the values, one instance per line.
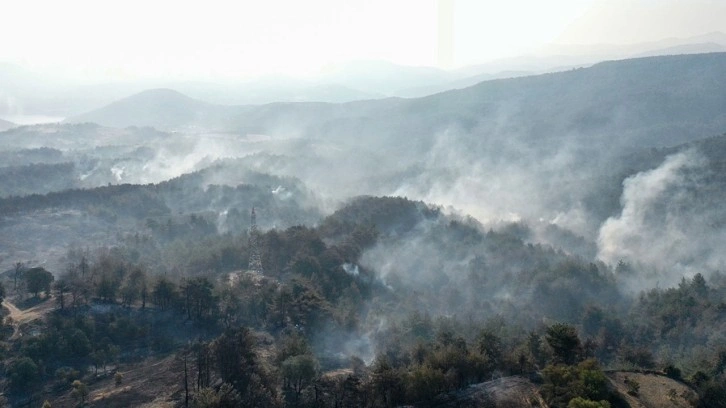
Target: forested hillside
x=387, y=302
x=552, y=240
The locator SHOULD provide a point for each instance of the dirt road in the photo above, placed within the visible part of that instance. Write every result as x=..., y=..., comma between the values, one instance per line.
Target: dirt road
x=23, y=316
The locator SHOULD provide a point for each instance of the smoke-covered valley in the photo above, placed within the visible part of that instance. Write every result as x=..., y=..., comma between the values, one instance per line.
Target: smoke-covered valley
x=560, y=153
x=531, y=200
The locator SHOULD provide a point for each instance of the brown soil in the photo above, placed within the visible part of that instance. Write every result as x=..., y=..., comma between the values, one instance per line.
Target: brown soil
x=655, y=391
x=154, y=383
x=20, y=318
x=505, y=392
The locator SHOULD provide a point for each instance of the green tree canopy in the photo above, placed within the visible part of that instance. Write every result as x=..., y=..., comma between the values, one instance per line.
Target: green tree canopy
x=580, y=402
x=38, y=280
x=23, y=374
x=565, y=343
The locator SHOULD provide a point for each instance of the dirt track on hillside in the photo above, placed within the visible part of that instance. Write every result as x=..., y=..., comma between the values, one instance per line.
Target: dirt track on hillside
x=20, y=317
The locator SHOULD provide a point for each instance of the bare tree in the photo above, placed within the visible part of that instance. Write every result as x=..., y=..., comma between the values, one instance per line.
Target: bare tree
x=19, y=267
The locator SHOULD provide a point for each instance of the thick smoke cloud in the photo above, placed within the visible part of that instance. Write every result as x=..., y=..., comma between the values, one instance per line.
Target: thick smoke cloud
x=505, y=178
x=668, y=223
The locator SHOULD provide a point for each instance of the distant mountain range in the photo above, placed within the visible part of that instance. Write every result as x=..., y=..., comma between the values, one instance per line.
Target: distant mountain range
x=24, y=91
x=656, y=101
x=159, y=108
x=686, y=49
x=667, y=46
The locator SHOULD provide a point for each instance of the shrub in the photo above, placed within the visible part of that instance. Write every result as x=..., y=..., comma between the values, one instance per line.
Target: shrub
x=633, y=386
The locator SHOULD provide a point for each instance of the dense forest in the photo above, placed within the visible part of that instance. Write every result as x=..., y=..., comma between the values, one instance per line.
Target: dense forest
x=331, y=323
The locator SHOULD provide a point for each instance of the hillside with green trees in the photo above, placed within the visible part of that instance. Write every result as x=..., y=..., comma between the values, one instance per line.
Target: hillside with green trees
x=330, y=323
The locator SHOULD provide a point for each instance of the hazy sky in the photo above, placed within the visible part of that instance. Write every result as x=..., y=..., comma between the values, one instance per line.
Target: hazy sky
x=215, y=38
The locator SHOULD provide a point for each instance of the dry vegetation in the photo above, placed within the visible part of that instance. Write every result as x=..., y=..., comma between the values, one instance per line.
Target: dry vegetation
x=152, y=383
x=653, y=390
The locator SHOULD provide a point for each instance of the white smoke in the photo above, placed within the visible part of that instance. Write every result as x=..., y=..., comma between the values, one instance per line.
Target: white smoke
x=222, y=222
x=506, y=179
x=282, y=193
x=118, y=172
x=667, y=221
x=351, y=269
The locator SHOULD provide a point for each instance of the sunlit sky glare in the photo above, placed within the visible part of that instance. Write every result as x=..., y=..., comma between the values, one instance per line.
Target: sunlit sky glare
x=238, y=39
